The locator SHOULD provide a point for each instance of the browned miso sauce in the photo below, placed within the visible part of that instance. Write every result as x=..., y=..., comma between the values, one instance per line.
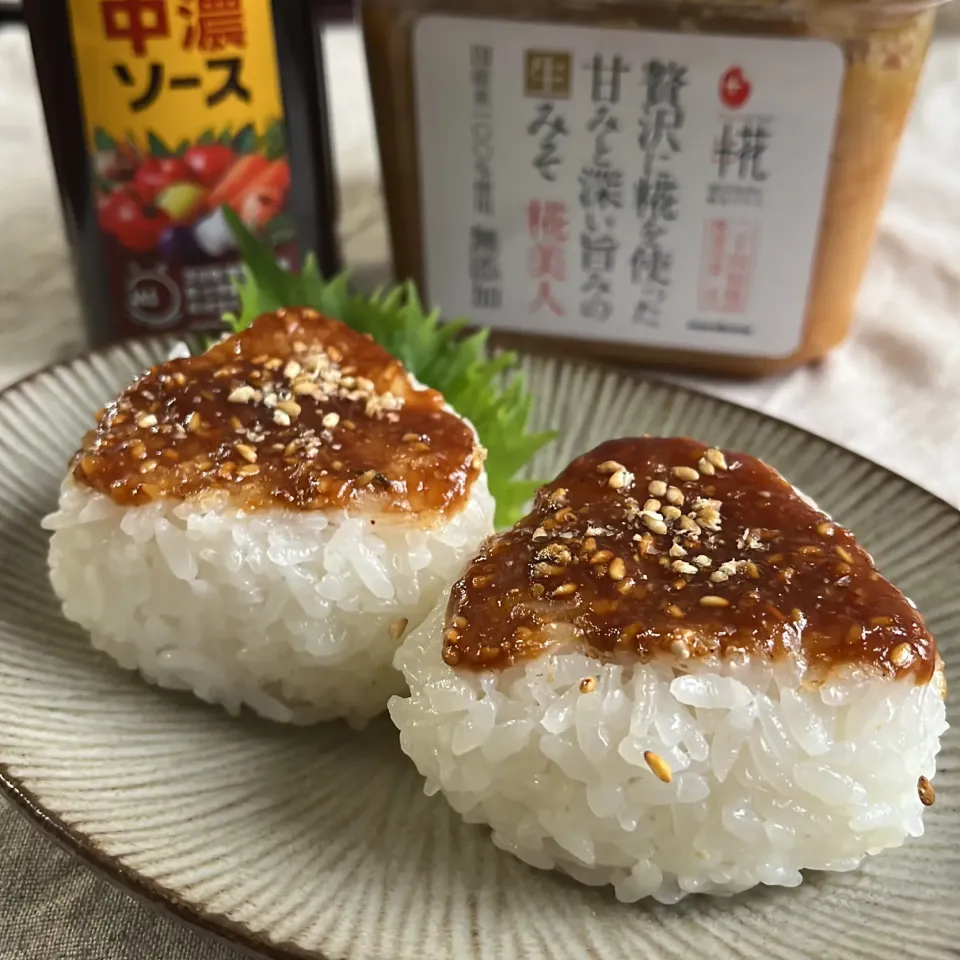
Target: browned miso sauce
x=665, y=547
x=296, y=411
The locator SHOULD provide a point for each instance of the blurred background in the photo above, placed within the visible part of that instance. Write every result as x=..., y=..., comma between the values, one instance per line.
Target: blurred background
x=878, y=392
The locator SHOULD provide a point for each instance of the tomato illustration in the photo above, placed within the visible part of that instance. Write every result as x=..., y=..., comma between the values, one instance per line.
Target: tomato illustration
x=209, y=162
x=137, y=227
x=159, y=172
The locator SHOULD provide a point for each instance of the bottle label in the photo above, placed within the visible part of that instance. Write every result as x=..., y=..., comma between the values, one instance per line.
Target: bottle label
x=624, y=185
x=183, y=113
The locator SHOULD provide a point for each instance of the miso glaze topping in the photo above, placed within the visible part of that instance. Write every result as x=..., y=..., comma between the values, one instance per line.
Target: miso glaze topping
x=666, y=547
x=297, y=411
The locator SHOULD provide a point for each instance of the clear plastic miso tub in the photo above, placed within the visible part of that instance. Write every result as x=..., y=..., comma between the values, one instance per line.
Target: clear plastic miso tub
x=695, y=184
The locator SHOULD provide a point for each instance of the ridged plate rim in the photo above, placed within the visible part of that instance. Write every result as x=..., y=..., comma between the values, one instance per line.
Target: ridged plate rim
x=216, y=925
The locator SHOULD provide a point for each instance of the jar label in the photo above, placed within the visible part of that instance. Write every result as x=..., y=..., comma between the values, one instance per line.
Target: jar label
x=182, y=113
x=624, y=185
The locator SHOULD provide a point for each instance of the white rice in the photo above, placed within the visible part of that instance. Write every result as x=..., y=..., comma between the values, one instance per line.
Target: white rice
x=770, y=775
x=286, y=611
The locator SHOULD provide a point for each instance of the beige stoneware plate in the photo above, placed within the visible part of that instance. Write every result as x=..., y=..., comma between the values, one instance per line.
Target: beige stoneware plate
x=319, y=843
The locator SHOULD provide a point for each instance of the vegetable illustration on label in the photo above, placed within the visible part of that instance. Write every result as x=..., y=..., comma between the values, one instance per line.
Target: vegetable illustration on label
x=183, y=114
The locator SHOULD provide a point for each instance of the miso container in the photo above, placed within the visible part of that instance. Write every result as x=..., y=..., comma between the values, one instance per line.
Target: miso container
x=686, y=183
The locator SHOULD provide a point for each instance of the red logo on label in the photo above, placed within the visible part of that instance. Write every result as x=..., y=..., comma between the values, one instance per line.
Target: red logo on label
x=734, y=88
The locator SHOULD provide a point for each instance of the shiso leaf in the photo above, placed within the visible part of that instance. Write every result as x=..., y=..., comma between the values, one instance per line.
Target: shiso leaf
x=478, y=386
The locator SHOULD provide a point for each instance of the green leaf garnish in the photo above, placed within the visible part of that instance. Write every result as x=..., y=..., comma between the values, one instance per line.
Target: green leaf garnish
x=478, y=387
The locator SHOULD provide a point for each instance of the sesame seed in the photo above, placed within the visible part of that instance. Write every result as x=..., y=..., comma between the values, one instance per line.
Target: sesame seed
x=825, y=529
x=602, y=556
x=555, y=551
x=753, y=571
x=675, y=612
x=658, y=765
x=546, y=570
x=654, y=525
x=711, y=600
x=702, y=560
x=671, y=513
x=719, y=576
x=451, y=636
x=680, y=649
x=618, y=569
x=626, y=586
x=685, y=473
x=709, y=518
x=248, y=470
x=901, y=655
x=147, y=420
x=290, y=407
x=925, y=791
x=681, y=566
x=243, y=394
x=565, y=589
x=282, y=418
x=621, y=479
x=588, y=684
x=657, y=488
x=247, y=452
x=674, y=495
x=304, y=388
x=690, y=525
x=409, y=437
x=677, y=551
x=716, y=457
x=148, y=466
x=652, y=505
x=611, y=466
x=332, y=419
x=451, y=656
x=396, y=629
x=706, y=467
x=843, y=554
x=194, y=422
x=292, y=370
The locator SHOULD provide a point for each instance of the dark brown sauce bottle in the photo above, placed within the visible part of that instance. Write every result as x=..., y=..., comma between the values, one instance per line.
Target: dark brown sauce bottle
x=159, y=112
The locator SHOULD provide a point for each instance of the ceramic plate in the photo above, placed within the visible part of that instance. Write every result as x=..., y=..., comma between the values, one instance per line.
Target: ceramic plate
x=319, y=842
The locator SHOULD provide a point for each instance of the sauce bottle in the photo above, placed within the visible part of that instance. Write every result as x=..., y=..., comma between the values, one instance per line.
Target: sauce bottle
x=160, y=111
x=694, y=184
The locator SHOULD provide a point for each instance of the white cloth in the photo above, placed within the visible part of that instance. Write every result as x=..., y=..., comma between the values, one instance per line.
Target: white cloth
x=892, y=392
